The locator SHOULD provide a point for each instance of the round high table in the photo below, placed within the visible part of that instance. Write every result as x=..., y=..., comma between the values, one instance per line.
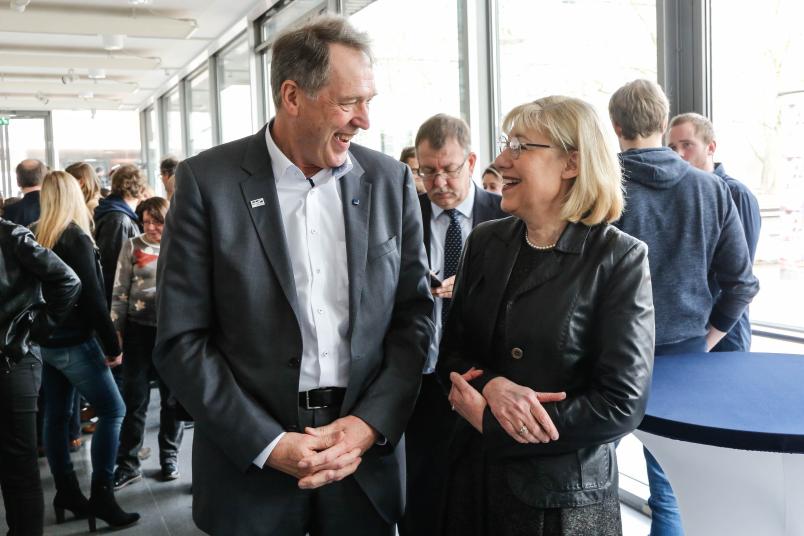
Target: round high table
x=728, y=430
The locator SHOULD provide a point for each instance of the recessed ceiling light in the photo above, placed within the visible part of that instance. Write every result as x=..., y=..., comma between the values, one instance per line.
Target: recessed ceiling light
x=96, y=74
x=112, y=41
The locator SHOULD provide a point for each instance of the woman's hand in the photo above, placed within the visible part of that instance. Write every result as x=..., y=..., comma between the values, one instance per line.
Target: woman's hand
x=519, y=410
x=467, y=400
x=114, y=360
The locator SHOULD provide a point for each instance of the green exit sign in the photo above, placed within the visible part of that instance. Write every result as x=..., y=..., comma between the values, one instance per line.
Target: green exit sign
x=4, y=121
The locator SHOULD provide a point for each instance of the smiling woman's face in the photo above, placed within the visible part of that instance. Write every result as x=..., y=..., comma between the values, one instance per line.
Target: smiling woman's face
x=536, y=179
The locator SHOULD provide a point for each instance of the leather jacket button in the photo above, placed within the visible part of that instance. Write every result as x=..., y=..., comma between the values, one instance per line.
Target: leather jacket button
x=517, y=353
x=294, y=362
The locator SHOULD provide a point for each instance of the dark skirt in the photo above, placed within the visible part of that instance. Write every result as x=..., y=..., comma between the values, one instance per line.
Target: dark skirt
x=479, y=502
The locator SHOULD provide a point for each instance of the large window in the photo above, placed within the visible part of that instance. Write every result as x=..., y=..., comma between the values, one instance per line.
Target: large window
x=173, y=126
x=102, y=138
x=234, y=91
x=416, y=68
x=584, y=48
x=758, y=113
x=198, y=108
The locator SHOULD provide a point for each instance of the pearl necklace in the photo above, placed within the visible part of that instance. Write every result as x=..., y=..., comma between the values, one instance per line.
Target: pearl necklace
x=534, y=246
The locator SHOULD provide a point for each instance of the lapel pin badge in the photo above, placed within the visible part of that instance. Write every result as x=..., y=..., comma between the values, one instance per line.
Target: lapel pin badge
x=355, y=201
x=257, y=202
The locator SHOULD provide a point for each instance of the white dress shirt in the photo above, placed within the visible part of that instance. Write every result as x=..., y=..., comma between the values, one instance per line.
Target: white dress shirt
x=439, y=222
x=316, y=236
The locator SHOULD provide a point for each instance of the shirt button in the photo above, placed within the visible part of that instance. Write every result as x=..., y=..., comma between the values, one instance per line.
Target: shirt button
x=324, y=354
x=517, y=353
x=313, y=231
x=320, y=311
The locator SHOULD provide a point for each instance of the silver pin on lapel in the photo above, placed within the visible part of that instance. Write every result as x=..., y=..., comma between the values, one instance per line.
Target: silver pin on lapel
x=355, y=201
x=257, y=202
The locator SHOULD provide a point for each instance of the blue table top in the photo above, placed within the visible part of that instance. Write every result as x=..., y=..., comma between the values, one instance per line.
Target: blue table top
x=748, y=401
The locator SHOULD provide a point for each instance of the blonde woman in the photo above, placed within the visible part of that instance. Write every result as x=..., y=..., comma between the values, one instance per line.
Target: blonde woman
x=89, y=182
x=75, y=359
x=561, y=368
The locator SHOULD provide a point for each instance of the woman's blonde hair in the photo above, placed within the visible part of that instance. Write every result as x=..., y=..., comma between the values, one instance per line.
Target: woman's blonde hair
x=62, y=203
x=88, y=180
x=572, y=125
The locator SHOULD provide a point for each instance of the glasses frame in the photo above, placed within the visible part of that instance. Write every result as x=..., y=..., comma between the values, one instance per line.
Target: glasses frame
x=515, y=146
x=448, y=173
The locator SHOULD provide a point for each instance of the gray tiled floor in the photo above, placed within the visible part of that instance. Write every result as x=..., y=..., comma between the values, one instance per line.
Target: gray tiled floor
x=166, y=506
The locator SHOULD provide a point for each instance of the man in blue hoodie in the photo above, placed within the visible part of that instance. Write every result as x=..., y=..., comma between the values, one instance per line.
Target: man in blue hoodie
x=691, y=226
x=692, y=137
x=115, y=220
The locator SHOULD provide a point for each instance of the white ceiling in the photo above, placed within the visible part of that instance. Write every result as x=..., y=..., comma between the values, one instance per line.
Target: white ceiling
x=54, y=38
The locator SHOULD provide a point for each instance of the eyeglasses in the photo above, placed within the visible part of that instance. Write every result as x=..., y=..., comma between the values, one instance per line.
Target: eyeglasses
x=516, y=146
x=430, y=174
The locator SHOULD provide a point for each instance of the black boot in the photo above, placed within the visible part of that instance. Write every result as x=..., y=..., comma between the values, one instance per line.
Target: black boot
x=102, y=505
x=69, y=497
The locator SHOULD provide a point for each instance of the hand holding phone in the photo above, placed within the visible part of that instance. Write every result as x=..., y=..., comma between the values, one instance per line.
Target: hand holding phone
x=435, y=282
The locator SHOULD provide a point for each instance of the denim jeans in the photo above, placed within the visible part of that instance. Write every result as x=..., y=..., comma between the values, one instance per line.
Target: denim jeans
x=81, y=367
x=19, y=464
x=138, y=347
x=665, y=514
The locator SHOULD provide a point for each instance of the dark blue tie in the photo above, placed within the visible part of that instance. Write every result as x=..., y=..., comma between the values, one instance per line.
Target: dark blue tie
x=452, y=254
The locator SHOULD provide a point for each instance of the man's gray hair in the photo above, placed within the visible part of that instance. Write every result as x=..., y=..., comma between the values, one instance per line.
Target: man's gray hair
x=31, y=173
x=301, y=54
x=441, y=128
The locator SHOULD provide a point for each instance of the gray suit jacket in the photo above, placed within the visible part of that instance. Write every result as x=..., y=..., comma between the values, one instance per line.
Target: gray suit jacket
x=229, y=344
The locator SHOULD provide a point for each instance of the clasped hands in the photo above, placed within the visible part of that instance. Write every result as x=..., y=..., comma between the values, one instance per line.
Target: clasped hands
x=325, y=454
x=518, y=409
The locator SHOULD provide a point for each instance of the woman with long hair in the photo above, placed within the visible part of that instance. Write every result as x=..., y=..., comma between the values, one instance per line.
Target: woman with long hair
x=74, y=359
x=88, y=181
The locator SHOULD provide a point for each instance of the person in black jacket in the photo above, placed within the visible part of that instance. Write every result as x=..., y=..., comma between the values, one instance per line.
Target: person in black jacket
x=36, y=291
x=548, y=346
x=116, y=221
x=29, y=178
x=74, y=359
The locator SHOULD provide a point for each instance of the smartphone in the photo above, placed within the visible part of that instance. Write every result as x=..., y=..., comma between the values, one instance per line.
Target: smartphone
x=435, y=282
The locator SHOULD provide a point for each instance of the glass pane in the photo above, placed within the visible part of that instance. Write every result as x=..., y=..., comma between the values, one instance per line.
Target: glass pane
x=103, y=139
x=416, y=68
x=235, y=92
x=585, y=49
x=292, y=14
x=200, y=118
x=152, y=133
x=759, y=127
x=26, y=139
x=174, y=129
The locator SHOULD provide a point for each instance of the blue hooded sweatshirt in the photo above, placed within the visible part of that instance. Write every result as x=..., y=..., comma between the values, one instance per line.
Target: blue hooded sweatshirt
x=690, y=224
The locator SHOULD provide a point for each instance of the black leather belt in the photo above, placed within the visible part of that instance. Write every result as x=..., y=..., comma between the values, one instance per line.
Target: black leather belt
x=325, y=397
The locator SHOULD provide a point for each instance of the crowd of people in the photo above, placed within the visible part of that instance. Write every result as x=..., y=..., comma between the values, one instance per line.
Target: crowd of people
x=319, y=301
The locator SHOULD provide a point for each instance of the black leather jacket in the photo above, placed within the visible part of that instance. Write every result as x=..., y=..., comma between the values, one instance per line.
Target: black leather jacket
x=37, y=290
x=582, y=323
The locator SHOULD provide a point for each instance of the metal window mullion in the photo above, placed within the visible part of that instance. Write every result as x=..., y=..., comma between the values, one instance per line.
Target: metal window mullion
x=50, y=152
x=214, y=110
x=184, y=116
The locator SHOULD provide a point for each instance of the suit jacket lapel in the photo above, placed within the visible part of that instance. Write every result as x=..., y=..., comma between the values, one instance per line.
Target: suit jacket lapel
x=356, y=199
x=262, y=203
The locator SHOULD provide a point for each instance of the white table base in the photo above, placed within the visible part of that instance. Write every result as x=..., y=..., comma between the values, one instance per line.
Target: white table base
x=724, y=491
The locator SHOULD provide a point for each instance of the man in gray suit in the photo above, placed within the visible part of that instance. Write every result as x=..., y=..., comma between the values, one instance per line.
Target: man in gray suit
x=451, y=207
x=294, y=307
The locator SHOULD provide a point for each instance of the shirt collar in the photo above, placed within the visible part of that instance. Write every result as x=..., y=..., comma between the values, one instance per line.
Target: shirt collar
x=466, y=206
x=281, y=163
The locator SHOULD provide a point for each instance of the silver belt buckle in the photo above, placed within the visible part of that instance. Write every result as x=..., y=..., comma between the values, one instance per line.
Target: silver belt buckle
x=307, y=402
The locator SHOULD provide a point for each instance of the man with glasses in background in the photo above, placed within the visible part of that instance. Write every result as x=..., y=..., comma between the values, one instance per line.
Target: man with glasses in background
x=451, y=207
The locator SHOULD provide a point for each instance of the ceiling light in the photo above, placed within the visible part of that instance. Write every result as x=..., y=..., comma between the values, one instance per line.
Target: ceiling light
x=112, y=41
x=19, y=5
x=97, y=74
x=140, y=2
x=69, y=78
